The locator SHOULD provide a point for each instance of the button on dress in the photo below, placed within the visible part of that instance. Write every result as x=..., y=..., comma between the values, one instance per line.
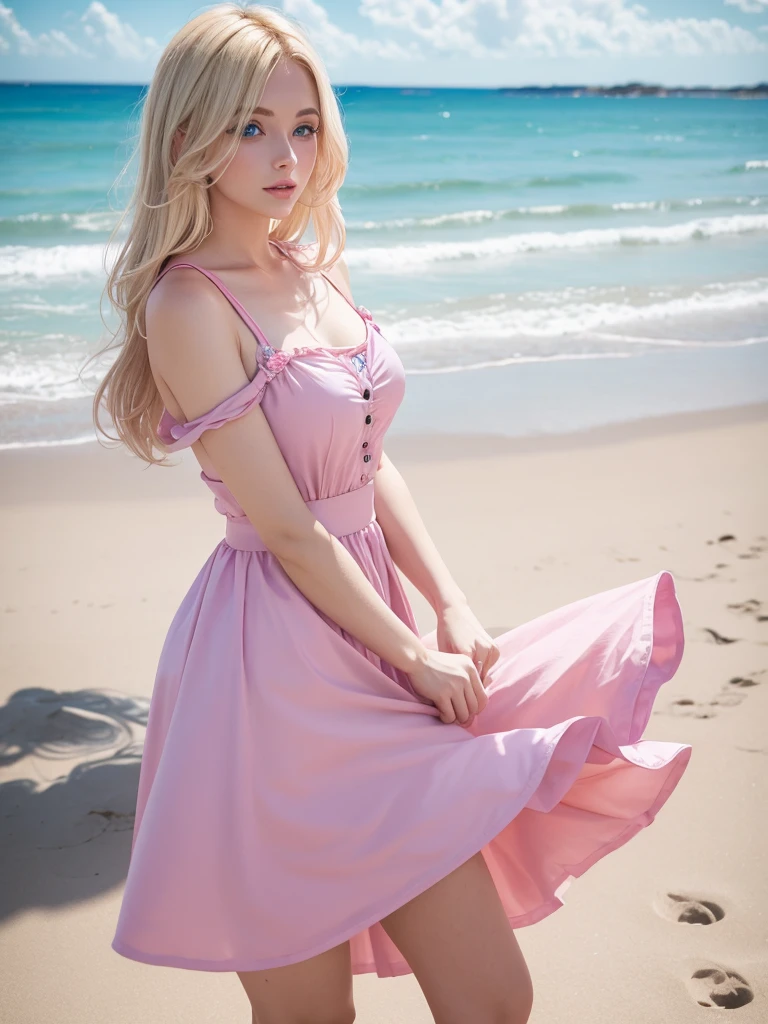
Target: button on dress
x=295, y=789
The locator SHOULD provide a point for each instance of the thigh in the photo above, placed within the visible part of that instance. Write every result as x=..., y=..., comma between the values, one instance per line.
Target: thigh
x=314, y=991
x=460, y=946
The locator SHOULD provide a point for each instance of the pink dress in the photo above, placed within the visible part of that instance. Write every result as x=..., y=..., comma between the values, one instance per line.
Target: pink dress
x=294, y=788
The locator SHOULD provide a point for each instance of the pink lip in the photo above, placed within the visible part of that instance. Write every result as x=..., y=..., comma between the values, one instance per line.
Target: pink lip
x=276, y=190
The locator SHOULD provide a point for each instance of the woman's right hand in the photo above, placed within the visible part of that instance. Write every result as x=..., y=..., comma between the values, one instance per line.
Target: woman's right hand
x=452, y=683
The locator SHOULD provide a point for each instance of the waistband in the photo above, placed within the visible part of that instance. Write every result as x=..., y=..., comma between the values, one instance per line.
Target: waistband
x=340, y=515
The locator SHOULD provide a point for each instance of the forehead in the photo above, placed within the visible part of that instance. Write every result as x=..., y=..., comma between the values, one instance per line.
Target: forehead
x=289, y=88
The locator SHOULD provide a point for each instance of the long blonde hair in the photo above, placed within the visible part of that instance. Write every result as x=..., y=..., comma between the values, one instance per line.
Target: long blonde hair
x=209, y=78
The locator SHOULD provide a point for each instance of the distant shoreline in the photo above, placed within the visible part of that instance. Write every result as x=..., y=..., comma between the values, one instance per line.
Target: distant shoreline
x=630, y=89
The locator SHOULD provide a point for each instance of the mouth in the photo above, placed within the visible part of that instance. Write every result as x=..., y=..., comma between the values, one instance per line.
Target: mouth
x=281, y=190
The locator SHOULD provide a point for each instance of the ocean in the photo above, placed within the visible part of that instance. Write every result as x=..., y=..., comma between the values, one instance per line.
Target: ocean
x=541, y=263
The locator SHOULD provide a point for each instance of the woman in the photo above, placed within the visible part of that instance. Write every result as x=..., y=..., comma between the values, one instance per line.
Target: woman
x=323, y=792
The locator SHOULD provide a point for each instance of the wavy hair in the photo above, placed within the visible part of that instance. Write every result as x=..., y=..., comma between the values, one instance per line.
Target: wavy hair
x=209, y=78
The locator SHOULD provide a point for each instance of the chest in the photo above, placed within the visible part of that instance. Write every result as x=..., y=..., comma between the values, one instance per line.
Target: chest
x=328, y=407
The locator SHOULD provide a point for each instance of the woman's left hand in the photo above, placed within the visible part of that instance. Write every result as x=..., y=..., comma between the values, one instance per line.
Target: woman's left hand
x=460, y=632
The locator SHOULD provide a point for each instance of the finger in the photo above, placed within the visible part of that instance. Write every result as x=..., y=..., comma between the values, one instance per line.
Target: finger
x=470, y=696
x=446, y=709
x=475, y=668
x=481, y=695
x=490, y=656
x=495, y=654
x=478, y=687
x=486, y=654
x=460, y=704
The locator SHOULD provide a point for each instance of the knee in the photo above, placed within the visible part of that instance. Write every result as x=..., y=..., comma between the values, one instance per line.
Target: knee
x=334, y=1015
x=506, y=1008
x=515, y=1008
x=345, y=1015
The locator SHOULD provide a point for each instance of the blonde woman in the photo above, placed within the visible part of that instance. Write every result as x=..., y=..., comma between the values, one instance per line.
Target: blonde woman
x=323, y=792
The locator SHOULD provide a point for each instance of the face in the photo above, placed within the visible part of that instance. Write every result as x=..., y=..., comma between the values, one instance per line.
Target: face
x=278, y=143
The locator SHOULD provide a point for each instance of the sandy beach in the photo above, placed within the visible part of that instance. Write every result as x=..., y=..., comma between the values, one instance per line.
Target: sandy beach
x=98, y=552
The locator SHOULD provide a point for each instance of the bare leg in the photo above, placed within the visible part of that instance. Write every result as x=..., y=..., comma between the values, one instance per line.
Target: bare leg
x=314, y=991
x=462, y=950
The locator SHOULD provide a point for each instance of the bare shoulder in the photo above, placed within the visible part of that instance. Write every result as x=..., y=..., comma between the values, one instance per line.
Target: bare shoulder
x=178, y=301
x=191, y=342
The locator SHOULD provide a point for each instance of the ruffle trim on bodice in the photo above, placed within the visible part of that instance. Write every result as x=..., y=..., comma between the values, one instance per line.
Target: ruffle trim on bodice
x=270, y=362
x=276, y=359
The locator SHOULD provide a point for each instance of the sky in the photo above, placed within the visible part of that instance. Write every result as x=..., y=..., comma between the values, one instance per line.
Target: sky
x=469, y=43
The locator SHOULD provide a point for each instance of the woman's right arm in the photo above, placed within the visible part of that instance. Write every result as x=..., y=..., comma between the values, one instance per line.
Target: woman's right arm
x=193, y=347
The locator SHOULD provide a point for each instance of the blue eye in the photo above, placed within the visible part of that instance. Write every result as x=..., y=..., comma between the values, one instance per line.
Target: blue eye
x=247, y=134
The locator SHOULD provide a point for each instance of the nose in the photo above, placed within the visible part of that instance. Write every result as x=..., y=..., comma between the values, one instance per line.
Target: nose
x=286, y=156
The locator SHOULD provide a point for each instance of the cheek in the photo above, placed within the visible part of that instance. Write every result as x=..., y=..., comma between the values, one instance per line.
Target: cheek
x=306, y=153
x=242, y=171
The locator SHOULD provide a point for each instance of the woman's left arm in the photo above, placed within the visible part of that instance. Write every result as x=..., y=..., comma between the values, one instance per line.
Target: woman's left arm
x=415, y=553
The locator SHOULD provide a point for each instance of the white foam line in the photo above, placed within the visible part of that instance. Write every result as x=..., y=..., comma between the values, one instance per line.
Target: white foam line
x=21, y=265
x=411, y=256
x=682, y=343
x=567, y=356
x=563, y=357
x=48, y=444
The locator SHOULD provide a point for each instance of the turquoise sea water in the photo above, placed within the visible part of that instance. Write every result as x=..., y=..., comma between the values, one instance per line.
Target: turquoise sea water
x=541, y=263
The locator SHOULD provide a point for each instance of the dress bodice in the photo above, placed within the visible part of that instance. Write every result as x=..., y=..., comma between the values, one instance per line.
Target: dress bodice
x=328, y=408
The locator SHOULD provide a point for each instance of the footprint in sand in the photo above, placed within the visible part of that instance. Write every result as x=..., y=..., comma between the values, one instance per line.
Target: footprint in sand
x=688, y=909
x=687, y=708
x=749, y=607
x=753, y=550
x=719, y=638
x=716, y=986
x=731, y=694
x=729, y=539
x=745, y=681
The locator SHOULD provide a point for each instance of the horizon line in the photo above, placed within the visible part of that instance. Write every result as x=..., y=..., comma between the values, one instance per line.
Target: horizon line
x=455, y=88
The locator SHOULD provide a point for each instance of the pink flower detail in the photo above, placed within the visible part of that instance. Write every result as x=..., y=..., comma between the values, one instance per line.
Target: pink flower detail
x=277, y=360
x=369, y=316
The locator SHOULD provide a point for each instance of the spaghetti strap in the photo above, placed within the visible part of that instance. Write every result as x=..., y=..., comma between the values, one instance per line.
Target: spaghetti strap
x=238, y=306
x=359, y=309
x=356, y=308
x=243, y=312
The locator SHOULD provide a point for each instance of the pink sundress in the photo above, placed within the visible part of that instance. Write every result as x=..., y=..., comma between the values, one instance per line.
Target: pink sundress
x=295, y=789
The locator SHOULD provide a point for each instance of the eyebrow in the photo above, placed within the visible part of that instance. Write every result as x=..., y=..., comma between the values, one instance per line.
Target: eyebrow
x=300, y=113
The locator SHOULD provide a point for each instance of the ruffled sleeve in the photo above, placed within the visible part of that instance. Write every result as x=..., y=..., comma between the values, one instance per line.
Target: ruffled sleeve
x=176, y=436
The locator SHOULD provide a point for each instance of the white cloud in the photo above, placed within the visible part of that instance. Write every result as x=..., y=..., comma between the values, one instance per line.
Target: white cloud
x=451, y=25
x=106, y=29
x=499, y=29
x=750, y=6
x=579, y=27
x=47, y=44
x=334, y=43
